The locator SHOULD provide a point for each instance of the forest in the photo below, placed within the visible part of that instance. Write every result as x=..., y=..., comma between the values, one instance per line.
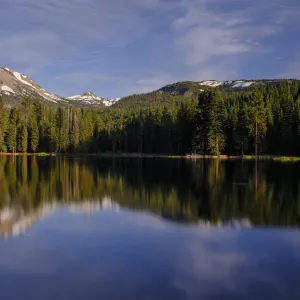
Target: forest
x=264, y=121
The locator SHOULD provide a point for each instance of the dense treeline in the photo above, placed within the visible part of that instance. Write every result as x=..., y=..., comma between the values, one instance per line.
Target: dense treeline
x=265, y=120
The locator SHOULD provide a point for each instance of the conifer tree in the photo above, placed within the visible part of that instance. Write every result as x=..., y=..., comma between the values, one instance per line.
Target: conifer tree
x=34, y=135
x=210, y=138
x=12, y=130
x=257, y=119
x=3, y=126
x=22, y=139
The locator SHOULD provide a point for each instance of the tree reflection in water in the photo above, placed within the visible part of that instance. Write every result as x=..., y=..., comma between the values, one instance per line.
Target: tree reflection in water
x=208, y=192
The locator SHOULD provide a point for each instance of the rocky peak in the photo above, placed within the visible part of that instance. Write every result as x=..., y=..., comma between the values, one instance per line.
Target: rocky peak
x=89, y=94
x=14, y=86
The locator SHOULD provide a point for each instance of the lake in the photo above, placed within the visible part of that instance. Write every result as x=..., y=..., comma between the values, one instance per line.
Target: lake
x=152, y=228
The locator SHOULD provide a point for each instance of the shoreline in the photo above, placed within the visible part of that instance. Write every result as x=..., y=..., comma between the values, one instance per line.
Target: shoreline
x=145, y=155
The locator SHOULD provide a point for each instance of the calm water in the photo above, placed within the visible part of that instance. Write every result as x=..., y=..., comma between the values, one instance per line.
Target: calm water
x=91, y=228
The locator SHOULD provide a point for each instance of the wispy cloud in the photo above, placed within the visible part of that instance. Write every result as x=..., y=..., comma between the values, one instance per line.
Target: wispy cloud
x=34, y=49
x=179, y=39
x=207, y=33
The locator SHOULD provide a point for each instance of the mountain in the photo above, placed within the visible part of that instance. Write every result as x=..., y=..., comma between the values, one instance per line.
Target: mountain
x=188, y=88
x=14, y=86
x=91, y=99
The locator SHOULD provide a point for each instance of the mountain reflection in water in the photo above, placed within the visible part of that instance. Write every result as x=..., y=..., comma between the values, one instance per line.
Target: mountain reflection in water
x=201, y=192
x=95, y=228
x=15, y=221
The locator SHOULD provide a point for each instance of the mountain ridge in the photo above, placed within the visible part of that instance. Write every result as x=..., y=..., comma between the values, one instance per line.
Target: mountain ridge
x=14, y=86
x=187, y=88
x=89, y=98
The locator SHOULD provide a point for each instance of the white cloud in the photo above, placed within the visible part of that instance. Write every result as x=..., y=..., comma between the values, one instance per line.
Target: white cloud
x=225, y=262
x=186, y=39
x=205, y=34
x=54, y=29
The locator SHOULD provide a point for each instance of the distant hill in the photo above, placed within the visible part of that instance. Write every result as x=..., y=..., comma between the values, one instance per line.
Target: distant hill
x=188, y=88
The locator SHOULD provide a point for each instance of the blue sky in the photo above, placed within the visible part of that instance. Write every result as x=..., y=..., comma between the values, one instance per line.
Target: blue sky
x=119, y=47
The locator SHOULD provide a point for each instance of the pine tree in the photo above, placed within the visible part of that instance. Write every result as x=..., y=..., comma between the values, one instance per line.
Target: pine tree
x=297, y=126
x=210, y=138
x=242, y=131
x=287, y=123
x=62, y=125
x=3, y=126
x=34, y=135
x=75, y=127
x=12, y=129
x=257, y=119
x=52, y=132
x=22, y=139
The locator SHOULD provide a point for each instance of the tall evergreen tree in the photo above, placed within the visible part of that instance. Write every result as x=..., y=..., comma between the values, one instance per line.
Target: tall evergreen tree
x=34, y=135
x=12, y=130
x=3, y=126
x=22, y=139
x=257, y=119
x=210, y=138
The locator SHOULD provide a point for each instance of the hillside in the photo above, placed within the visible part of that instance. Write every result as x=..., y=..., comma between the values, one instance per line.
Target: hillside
x=14, y=87
x=153, y=99
x=188, y=88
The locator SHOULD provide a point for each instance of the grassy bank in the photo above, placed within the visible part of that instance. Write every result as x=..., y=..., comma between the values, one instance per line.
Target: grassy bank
x=28, y=154
x=249, y=157
x=145, y=155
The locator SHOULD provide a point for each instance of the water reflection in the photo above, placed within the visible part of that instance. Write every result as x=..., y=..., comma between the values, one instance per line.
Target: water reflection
x=148, y=229
x=14, y=220
x=127, y=255
x=210, y=192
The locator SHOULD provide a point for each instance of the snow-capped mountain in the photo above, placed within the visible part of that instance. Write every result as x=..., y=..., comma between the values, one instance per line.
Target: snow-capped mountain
x=14, y=86
x=188, y=88
x=91, y=99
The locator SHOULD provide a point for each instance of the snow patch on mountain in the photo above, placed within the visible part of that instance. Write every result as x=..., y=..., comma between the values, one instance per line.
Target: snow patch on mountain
x=14, y=86
x=18, y=76
x=7, y=89
x=233, y=84
x=212, y=83
x=87, y=98
x=91, y=99
x=74, y=97
x=242, y=84
x=111, y=101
